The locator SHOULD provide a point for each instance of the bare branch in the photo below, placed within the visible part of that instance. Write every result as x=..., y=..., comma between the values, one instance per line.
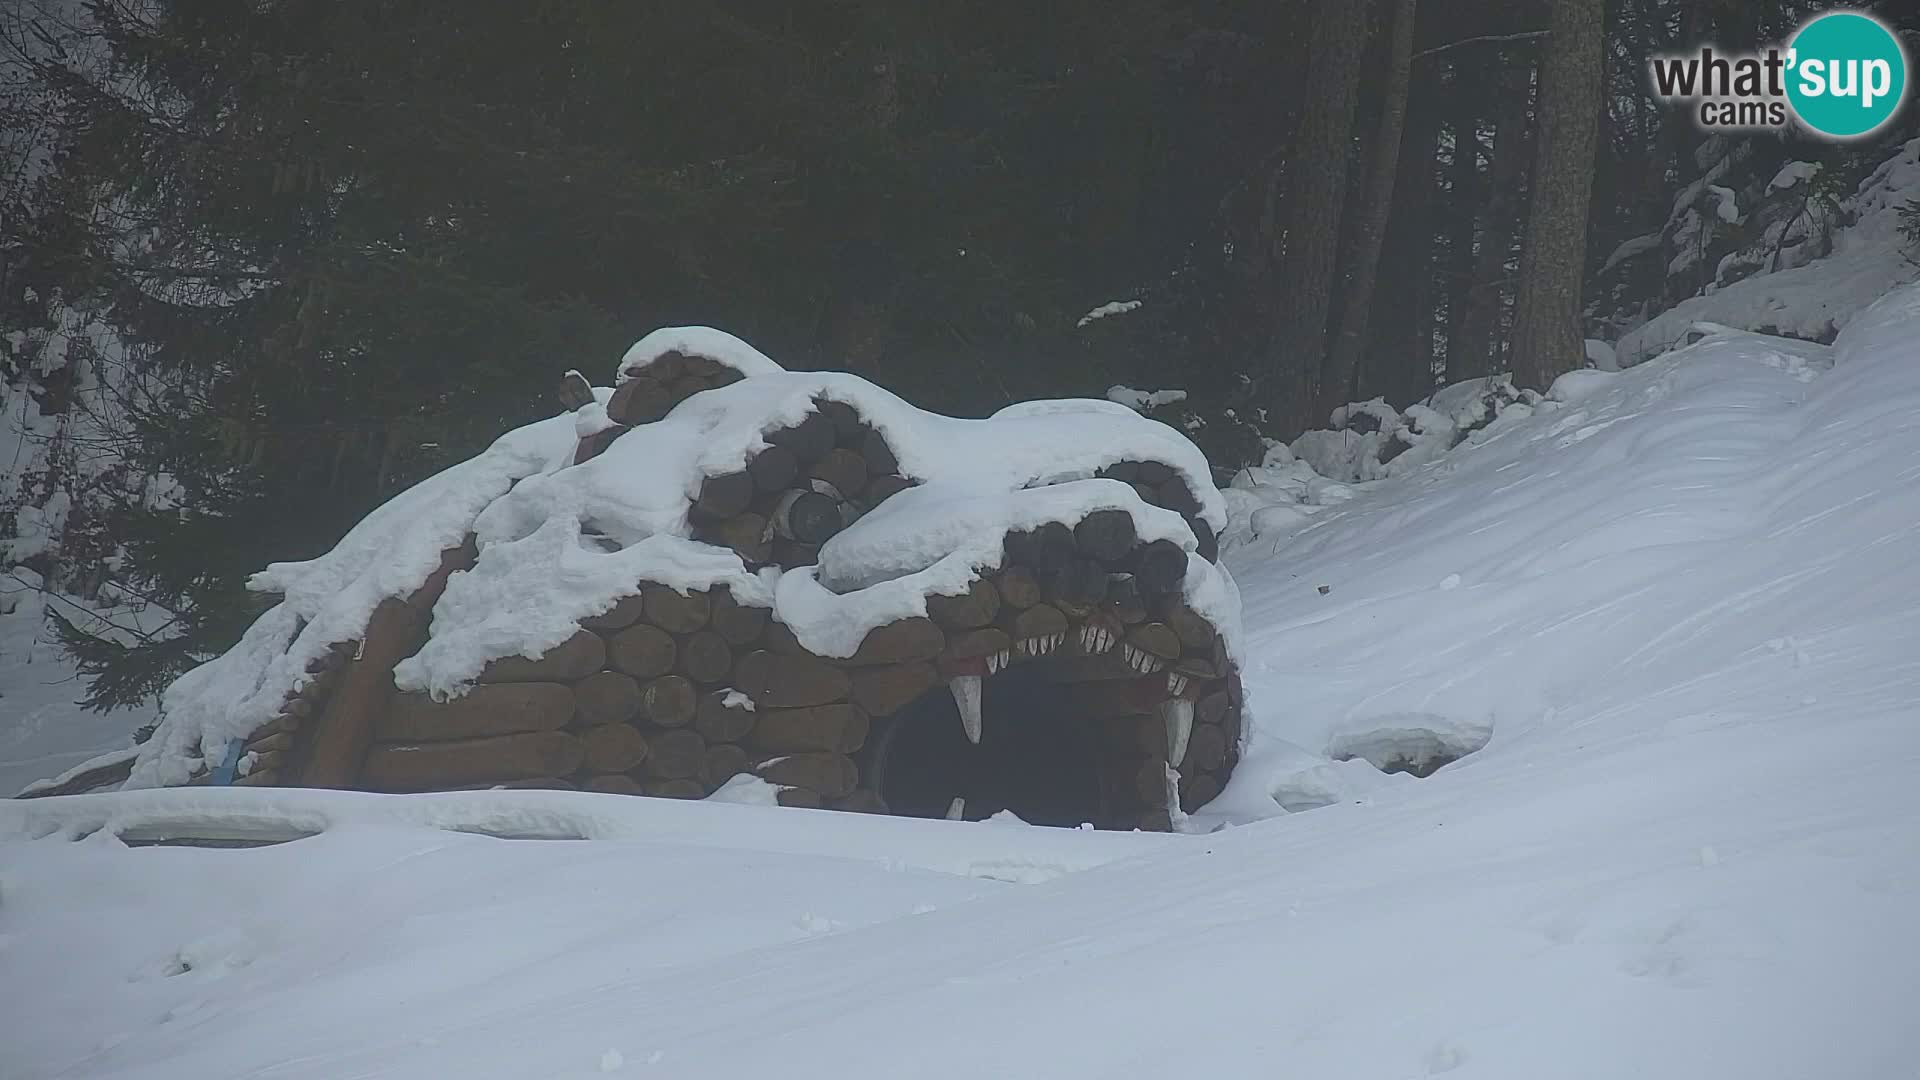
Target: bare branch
x=1437, y=49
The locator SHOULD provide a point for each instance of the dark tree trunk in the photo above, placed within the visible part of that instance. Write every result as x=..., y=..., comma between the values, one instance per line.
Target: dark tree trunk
x=1546, y=330
x=1477, y=352
x=1464, y=202
x=1399, y=364
x=1316, y=198
x=1363, y=261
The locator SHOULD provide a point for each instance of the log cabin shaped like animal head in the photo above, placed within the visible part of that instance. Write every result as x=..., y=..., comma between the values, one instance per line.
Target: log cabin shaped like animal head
x=720, y=569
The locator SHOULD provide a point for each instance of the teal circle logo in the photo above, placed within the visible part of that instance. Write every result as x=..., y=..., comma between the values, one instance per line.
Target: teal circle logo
x=1847, y=74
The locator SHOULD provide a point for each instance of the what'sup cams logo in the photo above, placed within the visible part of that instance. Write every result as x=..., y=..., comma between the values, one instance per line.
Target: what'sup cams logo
x=1842, y=75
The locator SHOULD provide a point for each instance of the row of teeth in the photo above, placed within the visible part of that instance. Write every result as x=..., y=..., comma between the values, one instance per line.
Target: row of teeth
x=1040, y=646
x=1140, y=660
x=1096, y=639
x=998, y=662
x=1176, y=712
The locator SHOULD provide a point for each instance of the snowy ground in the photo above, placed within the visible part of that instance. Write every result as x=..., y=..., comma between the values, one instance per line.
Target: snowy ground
x=43, y=732
x=1678, y=615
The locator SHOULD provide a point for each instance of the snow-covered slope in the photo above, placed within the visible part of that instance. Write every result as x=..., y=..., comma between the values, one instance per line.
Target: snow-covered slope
x=43, y=730
x=1680, y=610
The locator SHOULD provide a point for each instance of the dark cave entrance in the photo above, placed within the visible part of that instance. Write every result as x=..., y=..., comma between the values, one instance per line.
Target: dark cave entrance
x=1038, y=754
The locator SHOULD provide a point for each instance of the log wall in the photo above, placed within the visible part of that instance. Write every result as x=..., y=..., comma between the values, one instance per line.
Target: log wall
x=652, y=697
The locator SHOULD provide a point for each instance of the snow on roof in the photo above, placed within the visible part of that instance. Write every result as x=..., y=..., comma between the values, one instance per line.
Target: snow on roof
x=559, y=542
x=329, y=599
x=1027, y=464
x=695, y=341
x=921, y=526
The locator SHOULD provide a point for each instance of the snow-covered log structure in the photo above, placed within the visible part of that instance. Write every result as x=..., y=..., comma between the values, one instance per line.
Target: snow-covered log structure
x=720, y=569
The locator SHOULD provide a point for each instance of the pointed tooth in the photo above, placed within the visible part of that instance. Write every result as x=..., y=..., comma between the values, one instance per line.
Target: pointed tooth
x=1176, y=683
x=1178, y=713
x=957, y=810
x=966, y=694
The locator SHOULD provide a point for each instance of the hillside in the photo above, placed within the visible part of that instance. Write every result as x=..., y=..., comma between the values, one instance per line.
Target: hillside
x=1669, y=619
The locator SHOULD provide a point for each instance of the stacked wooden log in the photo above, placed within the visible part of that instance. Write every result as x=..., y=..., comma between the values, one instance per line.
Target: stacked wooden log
x=672, y=694
x=276, y=752
x=335, y=754
x=816, y=477
x=667, y=694
x=651, y=393
x=1159, y=485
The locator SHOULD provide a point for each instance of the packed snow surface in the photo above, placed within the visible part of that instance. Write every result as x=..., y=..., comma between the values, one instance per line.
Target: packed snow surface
x=1670, y=616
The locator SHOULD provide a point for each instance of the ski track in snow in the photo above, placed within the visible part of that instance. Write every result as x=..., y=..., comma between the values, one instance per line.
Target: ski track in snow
x=1689, y=641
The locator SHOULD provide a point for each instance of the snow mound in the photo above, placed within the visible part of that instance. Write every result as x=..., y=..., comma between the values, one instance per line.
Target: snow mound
x=694, y=341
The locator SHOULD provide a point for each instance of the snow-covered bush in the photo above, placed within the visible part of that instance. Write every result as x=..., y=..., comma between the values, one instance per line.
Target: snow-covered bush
x=1370, y=440
x=1223, y=429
